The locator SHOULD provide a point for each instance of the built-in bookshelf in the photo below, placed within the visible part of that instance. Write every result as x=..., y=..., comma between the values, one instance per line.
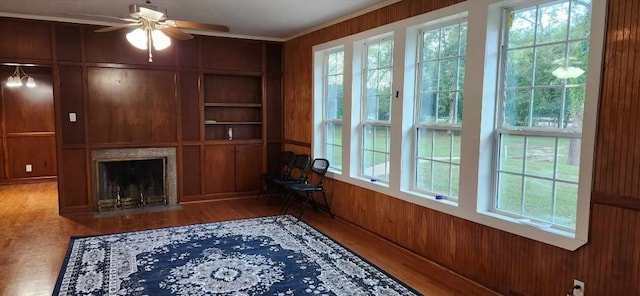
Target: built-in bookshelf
x=233, y=106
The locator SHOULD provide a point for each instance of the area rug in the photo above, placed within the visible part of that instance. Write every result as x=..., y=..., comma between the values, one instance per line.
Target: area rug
x=259, y=256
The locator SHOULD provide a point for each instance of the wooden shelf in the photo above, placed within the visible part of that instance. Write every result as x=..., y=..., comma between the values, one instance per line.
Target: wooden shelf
x=233, y=105
x=232, y=142
x=213, y=122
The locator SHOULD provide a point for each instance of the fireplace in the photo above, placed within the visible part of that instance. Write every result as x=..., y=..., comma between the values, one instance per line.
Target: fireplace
x=134, y=178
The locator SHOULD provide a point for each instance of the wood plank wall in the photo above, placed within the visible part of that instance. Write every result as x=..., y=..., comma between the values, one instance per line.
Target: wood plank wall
x=609, y=263
x=618, y=147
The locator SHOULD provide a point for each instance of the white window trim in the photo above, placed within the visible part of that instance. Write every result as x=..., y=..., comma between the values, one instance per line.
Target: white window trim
x=358, y=94
x=325, y=121
x=318, y=130
x=476, y=168
x=416, y=126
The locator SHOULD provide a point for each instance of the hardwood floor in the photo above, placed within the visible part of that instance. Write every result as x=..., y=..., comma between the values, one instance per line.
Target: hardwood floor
x=34, y=239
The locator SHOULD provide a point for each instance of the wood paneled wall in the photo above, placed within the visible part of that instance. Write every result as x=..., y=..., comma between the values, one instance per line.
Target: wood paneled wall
x=275, y=108
x=120, y=100
x=25, y=40
x=131, y=106
x=618, y=149
x=27, y=120
x=609, y=263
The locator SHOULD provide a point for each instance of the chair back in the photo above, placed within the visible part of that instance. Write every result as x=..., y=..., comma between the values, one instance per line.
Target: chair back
x=286, y=161
x=319, y=168
x=283, y=165
x=299, y=168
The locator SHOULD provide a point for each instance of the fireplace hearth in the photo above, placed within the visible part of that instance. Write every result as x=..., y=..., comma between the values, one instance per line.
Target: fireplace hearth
x=134, y=178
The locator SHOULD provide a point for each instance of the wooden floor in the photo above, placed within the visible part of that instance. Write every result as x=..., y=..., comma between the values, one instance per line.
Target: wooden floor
x=34, y=239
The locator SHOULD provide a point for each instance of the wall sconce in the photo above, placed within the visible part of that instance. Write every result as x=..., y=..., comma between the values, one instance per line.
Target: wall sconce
x=15, y=79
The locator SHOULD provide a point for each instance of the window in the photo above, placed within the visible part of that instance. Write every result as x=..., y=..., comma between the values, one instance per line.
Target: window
x=376, y=113
x=333, y=107
x=438, y=104
x=541, y=110
x=526, y=89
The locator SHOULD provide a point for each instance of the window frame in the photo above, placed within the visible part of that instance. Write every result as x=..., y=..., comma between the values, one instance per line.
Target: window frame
x=530, y=131
x=417, y=125
x=326, y=122
x=375, y=124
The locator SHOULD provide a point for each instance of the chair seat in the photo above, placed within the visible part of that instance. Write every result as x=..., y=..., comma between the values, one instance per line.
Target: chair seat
x=286, y=181
x=305, y=187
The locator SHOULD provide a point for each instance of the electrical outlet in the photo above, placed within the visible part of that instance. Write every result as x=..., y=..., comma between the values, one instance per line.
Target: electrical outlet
x=28, y=168
x=580, y=291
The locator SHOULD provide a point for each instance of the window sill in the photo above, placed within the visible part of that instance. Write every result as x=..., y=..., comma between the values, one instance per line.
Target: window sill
x=428, y=200
x=372, y=182
x=332, y=173
x=532, y=230
x=361, y=182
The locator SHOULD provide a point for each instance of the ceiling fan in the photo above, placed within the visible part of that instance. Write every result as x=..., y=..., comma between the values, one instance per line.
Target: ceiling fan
x=153, y=28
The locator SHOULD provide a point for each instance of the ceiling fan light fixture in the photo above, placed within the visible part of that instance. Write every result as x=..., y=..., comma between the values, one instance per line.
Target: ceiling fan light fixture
x=138, y=38
x=153, y=31
x=160, y=40
x=567, y=72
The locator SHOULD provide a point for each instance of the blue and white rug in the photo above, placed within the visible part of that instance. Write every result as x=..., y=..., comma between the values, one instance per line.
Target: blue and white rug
x=260, y=256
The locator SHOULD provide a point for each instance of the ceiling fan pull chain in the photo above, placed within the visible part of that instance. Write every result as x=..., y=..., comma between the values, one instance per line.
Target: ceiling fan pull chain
x=149, y=41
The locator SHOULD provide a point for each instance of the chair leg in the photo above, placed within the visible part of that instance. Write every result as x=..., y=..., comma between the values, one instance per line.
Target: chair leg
x=288, y=199
x=306, y=203
x=270, y=197
x=274, y=188
x=324, y=196
x=262, y=189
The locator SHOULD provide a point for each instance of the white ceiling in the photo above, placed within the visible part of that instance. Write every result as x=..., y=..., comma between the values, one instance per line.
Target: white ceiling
x=278, y=20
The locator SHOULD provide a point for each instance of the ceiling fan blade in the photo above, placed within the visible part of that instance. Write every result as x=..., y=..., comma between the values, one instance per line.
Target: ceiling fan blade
x=100, y=16
x=118, y=27
x=197, y=26
x=175, y=33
